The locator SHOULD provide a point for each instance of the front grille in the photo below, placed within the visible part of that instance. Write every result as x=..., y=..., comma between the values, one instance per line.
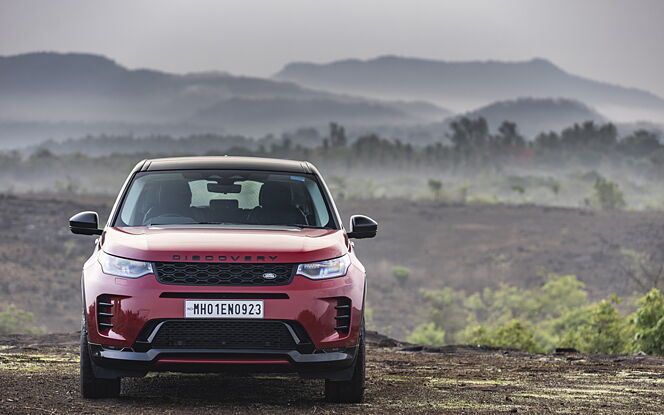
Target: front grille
x=223, y=334
x=206, y=273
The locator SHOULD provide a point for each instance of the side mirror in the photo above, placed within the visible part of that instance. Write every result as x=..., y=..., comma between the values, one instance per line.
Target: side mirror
x=362, y=227
x=85, y=223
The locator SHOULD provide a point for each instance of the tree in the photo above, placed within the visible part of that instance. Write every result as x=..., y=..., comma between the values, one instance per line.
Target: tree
x=469, y=135
x=640, y=143
x=590, y=136
x=604, y=330
x=436, y=187
x=649, y=323
x=607, y=195
x=337, y=135
x=547, y=141
x=517, y=188
x=447, y=312
x=428, y=334
x=508, y=136
x=513, y=334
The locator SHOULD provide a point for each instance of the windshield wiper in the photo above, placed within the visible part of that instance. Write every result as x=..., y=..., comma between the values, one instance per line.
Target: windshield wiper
x=243, y=224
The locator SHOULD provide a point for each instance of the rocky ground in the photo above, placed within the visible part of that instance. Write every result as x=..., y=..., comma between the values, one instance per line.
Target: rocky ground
x=39, y=375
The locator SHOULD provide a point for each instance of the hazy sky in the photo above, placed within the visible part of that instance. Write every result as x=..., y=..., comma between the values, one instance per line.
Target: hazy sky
x=608, y=40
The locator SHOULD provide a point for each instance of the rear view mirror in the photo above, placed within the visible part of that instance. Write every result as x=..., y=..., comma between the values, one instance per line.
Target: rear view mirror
x=362, y=227
x=85, y=223
x=224, y=188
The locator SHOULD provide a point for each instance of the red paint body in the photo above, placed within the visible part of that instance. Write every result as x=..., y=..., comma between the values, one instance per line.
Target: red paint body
x=132, y=308
x=310, y=301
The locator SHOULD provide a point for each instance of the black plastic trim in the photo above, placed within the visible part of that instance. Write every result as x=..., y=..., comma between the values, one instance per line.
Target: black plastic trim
x=231, y=296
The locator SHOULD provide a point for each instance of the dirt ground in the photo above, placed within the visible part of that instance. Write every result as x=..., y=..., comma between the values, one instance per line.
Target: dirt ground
x=39, y=375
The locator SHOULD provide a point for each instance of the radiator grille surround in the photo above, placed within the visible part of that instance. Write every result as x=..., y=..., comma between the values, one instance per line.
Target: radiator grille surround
x=224, y=274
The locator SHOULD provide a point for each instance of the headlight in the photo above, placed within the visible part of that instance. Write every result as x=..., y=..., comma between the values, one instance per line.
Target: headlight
x=122, y=267
x=331, y=268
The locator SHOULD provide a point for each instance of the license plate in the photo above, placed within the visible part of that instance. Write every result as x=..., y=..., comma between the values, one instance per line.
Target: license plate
x=223, y=309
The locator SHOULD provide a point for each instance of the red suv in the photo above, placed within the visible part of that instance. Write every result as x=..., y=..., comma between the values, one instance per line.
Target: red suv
x=212, y=264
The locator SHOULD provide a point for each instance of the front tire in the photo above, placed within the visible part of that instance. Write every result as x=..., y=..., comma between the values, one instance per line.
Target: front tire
x=93, y=387
x=350, y=391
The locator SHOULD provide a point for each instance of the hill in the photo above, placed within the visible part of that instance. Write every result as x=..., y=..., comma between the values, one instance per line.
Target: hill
x=53, y=95
x=462, y=85
x=535, y=115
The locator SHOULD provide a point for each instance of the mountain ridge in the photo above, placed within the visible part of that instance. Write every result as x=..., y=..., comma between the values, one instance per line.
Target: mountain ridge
x=391, y=76
x=91, y=89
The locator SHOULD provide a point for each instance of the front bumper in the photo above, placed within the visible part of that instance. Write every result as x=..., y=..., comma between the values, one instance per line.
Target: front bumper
x=334, y=365
x=124, y=348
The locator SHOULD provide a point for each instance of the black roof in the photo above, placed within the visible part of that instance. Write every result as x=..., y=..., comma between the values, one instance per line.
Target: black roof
x=227, y=163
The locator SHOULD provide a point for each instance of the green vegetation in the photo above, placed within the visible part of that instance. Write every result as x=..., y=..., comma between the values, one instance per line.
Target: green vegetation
x=600, y=328
x=428, y=334
x=16, y=321
x=607, y=195
x=649, y=323
x=514, y=335
x=555, y=314
x=401, y=274
x=436, y=187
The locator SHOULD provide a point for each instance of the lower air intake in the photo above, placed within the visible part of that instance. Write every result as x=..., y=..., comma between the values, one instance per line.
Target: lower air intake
x=223, y=334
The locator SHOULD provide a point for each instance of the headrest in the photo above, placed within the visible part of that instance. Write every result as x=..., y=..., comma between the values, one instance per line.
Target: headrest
x=275, y=194
x=224, y=204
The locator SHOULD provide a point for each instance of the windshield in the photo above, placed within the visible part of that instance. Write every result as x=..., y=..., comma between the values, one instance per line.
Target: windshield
x=224, y=197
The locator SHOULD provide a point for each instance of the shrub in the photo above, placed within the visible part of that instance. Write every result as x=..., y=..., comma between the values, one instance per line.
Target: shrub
x=519, y=189
x=607, y=195
x=556, y=314
x=482, y=199
x=401, y=274
x=16, y=321
x=436, y=187
x=447, y=311
x=649, y=323
x=514, y=335
x=600, y=329
x=428, y=334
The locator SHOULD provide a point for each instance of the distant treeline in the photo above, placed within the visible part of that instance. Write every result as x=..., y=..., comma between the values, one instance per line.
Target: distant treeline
x=469, y=142
x=473, y=162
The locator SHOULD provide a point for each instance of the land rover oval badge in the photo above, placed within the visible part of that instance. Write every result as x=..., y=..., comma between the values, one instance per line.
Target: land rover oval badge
x=269, y=276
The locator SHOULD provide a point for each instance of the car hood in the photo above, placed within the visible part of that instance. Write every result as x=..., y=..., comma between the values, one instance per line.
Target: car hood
x=214, y=243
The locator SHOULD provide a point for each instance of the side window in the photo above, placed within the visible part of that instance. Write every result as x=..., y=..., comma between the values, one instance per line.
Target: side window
x=321, y=212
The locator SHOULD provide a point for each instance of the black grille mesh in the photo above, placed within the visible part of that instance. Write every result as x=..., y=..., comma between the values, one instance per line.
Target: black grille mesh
x=206, y=273
x=216, y=334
